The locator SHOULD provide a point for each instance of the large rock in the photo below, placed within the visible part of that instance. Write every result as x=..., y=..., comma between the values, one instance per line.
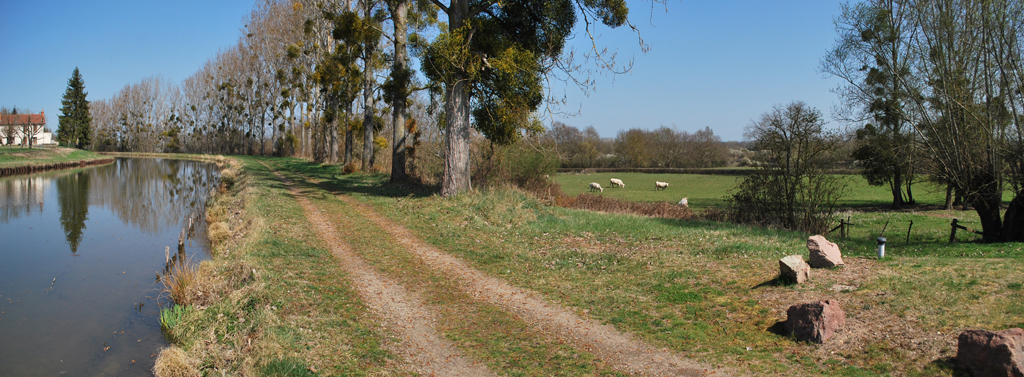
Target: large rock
x=815, y=321
x=988, y=353
x=824, y=254
x=794, y=269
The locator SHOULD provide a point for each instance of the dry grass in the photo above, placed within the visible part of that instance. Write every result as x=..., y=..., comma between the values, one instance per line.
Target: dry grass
x=173, y=362
x=189, y=283
x=350, y=168
x=218, y=232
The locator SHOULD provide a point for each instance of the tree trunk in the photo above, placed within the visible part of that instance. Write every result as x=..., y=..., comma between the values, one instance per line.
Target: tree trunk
x=949, y=197
x=1013, y=223
x=910, y=194
x=334, y=140
x=897, y=188
x=263, y=141
x=349, y=138
x=987, y=203
x=368, y=111
x=368, y=118
x=456, y=176
x=399, y=19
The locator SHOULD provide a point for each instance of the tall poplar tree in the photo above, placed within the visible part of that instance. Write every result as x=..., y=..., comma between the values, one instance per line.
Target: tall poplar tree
x=75, y=125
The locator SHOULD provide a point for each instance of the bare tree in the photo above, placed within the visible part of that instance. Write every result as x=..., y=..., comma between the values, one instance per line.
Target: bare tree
x=792, y=188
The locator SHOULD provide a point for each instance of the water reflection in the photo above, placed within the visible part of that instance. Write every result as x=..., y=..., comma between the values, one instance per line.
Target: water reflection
x=151, y=194
x=92, y=311
x=73, y=199
x=20, y=197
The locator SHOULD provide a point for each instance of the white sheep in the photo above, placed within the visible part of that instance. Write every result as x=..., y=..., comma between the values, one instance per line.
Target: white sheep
x=594, y=186
x=660, y=185
x=617, y=183
x=683, y=203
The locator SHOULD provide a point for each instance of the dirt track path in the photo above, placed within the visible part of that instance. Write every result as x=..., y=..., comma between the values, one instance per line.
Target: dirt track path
x=622, y=350
x=424, y=348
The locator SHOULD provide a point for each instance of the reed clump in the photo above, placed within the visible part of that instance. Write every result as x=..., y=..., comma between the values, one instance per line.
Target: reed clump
x=218, y=233
x=173, y=362
x=190, y=283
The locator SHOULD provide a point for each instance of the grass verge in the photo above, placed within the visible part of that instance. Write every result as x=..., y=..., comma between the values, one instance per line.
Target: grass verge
x=709, y=290
x=284, y=307
x=15, y=157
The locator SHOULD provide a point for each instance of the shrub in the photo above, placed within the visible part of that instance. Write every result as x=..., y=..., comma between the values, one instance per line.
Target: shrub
x=792, y=188
x=522, y=164
x=350, y=167
x=286, y=146
x=227, y=179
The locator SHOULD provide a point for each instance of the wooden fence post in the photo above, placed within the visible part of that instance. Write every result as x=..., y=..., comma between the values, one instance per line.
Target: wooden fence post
x=952, y=232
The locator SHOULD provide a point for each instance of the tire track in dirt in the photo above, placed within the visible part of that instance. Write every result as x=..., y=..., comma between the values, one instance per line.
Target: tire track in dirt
x=427, y=351
x=621, y=350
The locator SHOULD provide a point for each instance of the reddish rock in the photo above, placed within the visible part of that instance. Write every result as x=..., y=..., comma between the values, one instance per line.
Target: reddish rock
x=988, y=353
x=794, y=269
x=815, y=321
x=824, y=254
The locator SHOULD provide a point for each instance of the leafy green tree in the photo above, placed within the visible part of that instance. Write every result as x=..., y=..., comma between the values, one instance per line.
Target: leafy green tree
x=75, y=123
x=492, y=61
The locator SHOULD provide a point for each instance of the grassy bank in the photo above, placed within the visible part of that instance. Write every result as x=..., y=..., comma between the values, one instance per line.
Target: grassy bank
x=709, y=290
x=12, y=156
x=277, y=304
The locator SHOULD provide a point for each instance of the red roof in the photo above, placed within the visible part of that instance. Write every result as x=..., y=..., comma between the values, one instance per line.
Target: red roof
x=20, y=119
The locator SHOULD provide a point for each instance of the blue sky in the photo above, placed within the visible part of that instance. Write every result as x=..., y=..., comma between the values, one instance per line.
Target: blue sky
x=717, y=63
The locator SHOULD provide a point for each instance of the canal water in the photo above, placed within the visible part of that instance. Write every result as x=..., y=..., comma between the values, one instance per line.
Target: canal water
x=80, y=256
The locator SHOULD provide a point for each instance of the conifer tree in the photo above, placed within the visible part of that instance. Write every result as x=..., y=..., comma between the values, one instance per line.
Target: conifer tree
x=75, y=123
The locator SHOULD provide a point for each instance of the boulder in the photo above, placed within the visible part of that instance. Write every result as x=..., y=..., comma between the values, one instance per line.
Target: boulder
x=794, y=269
x=992, y=353
x=824, y=254
x=815, y=321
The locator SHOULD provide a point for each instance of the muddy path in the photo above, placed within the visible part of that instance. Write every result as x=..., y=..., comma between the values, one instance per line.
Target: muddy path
x=623, y=351
x=423, y=347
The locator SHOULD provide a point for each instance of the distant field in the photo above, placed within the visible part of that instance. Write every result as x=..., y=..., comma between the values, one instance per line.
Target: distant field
x=864, y=205
x=702, y=191
x=710, y=190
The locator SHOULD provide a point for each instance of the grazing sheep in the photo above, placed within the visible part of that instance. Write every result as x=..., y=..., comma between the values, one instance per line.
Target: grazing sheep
x=660, y=185
x=594, y=186
x=617, y=183
x=683, y=203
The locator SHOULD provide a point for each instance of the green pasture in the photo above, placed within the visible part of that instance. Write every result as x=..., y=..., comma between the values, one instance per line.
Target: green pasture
x=701, y=191
x=710, y=190
x=864, y=205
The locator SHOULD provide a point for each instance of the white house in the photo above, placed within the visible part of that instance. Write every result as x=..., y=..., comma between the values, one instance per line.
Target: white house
x=15, y=127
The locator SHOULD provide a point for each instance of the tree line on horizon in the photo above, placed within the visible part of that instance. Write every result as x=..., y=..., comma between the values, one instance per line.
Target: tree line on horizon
x=332, y=81
x=932, y=88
